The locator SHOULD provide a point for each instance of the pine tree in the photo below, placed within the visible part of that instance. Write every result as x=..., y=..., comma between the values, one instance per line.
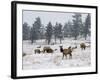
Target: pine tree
x=56, y=32
x=33, y=34
x=49, y=32
x=81, y=26
x=60, y=34
x=81, y=31
x=35, y=30
x=26, y=31
x=42, y=32
x=37, y=25
x=76, y=25
x=87, y=26
x=67, y=29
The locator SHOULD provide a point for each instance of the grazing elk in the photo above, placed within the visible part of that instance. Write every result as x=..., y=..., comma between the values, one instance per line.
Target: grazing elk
x=83, y=46
x=47, y=49
x=66, y=52
x=37, y=51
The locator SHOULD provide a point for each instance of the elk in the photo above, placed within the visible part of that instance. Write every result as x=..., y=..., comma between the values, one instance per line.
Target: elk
x=66, y=52
x=37, y=51
x=83, y=46
x=47, y=49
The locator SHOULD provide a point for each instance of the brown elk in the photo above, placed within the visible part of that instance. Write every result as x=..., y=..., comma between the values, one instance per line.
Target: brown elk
x=47, y=49
x=37, y=51
x=83, y=46
x=66, y=52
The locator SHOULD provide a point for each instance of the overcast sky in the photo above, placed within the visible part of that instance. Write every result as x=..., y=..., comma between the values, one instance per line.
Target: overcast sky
x=53, y=17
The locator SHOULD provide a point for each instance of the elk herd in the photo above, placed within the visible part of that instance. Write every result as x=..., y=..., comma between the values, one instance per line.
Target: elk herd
x=64, y=51
x=45, y=50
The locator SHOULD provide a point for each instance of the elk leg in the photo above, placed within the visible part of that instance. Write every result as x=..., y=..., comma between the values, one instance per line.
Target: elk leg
x=84, y=48
x=39, y=52
x=35, y=52
x=70, y=56
x=63, y=56
x=66, y=56
x=43, y=51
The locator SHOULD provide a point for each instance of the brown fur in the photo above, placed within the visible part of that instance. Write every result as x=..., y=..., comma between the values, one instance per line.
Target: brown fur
x=37, y=51
x=47, y=49
x=66, y=52
x=83, y=46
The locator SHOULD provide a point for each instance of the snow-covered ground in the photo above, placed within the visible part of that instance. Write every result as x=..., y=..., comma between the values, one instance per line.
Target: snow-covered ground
x=54, y=60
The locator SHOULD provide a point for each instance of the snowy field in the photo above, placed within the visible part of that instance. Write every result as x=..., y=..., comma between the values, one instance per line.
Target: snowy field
x=80, y=58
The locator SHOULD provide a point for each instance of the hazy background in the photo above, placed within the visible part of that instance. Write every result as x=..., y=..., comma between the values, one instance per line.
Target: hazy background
x=29, y=16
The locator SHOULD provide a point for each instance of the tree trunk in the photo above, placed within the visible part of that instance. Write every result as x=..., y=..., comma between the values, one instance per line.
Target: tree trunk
x=85, y=37
x=60, y=41
x=31, y=40
x=55, y=40
x=48, y=41
x=75, y=38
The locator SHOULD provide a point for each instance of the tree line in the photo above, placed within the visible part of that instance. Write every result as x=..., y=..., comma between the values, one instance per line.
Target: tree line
x=70, y=29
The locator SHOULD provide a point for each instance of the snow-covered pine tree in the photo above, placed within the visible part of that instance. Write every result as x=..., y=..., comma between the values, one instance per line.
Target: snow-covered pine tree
x=87, y=26
x=26, y=31
x=56, y=31
x=76, y=25
x=49, y=32
x=35, y=30
x=60, y=34
x=67, y=29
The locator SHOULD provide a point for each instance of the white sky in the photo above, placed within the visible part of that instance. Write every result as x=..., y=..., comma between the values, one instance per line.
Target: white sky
x=53, y=17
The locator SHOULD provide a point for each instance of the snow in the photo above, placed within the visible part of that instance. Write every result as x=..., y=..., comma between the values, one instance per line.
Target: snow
x=80, y=58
